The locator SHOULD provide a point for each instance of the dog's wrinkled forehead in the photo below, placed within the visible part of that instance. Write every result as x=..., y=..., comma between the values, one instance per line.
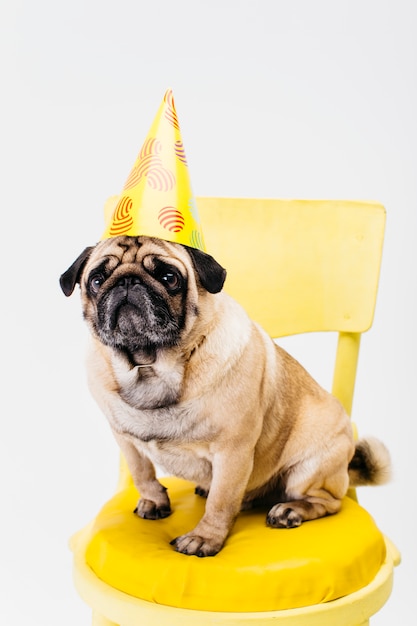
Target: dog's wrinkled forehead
x=125, y=250
x=121, y=251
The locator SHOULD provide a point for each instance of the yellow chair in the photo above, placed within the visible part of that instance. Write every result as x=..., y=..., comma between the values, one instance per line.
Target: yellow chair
x=297, y=267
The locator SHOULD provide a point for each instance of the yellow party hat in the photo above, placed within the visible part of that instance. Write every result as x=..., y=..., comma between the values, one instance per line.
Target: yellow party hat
x=157, y=199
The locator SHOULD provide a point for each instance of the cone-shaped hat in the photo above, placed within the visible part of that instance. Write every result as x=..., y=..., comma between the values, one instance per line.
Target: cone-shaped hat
x=157, y=199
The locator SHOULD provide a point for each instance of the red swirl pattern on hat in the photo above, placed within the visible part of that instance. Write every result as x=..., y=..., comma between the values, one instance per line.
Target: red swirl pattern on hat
x=170, y=112
x=171, y=219
x=149, y=165
x=151, y=146
x=180, y=152
x=122, y=219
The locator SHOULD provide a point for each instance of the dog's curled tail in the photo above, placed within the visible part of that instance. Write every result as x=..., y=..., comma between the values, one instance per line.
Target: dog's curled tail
x=370, y=464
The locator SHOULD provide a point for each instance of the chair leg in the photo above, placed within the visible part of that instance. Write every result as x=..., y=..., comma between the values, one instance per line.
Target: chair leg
x=100, y=620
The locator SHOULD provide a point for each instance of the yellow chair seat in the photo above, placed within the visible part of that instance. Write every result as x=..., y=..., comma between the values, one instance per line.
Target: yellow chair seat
x=259, y=568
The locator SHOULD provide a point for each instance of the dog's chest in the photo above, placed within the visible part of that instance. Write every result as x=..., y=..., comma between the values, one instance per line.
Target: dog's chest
x=150, y=387
x=176, y=439
x=190, y=461
x=180, y=423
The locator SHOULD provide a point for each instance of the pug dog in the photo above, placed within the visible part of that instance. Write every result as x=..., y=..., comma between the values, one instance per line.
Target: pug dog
x=189, y=383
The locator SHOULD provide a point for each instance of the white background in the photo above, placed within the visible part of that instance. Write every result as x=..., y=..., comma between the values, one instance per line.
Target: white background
x=302, y=98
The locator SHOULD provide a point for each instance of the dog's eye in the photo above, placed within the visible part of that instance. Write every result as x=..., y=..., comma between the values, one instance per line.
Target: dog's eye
x=95, y=282
x=170, y=277
x=171, y=281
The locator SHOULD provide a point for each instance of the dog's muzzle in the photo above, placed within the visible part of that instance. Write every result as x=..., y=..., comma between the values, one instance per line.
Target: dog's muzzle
x=132, y=316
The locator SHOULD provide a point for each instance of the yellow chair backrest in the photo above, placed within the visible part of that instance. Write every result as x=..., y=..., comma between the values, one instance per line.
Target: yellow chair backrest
x=301, y=266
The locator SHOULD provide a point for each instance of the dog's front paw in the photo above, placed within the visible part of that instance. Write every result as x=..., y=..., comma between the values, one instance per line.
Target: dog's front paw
x=195, y=545
x=283, y=516
x=148, y=509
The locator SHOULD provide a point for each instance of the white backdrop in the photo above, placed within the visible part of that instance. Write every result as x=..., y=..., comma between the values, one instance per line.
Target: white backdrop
x=306, y=99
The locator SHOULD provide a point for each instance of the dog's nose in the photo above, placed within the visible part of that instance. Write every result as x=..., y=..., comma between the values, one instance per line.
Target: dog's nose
x=128, y=281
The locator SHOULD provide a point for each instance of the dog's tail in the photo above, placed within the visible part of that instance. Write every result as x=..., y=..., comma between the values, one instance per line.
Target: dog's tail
x=370, y=464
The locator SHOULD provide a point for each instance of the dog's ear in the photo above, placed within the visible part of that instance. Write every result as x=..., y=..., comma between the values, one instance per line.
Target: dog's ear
x=211, y=274
x=72, y=276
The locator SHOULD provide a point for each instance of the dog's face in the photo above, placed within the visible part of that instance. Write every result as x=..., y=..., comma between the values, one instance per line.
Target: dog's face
x=140, y=293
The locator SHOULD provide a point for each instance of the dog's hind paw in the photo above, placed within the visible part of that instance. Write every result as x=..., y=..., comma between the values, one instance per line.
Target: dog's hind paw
x=147, y=509
x=283, y=516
